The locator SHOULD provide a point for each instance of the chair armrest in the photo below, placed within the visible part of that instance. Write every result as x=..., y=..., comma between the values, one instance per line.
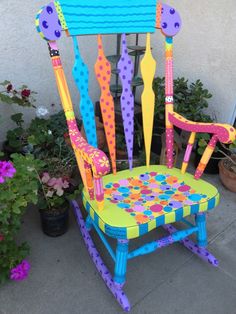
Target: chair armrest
x=93, y=156
x=225, y=133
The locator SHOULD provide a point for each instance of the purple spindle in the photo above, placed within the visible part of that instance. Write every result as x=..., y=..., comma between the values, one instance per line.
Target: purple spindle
x=126, y=71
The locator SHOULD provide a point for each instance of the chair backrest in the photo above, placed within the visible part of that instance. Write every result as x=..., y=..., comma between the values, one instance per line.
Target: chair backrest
x=86, y=17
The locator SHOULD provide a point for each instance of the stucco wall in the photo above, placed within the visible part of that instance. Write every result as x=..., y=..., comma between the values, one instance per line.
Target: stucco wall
x=204, y=49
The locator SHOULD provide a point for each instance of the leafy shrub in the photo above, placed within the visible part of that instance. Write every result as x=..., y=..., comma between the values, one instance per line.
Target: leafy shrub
x=189, y=99
x=15, y=194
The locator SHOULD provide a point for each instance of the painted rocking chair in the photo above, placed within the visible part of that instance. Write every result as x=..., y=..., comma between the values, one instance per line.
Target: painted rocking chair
x=130, y=203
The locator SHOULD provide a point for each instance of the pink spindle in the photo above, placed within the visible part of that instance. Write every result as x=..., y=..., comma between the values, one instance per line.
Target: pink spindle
x=99, y=192
x=169, y=92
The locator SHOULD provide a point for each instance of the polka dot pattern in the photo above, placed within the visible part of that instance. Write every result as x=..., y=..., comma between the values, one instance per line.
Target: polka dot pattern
x=126, y=72
x=60, y=15
x=135, y=195
x=81, y=76
x=49, y=23
x=103, y=74
x=170, y=21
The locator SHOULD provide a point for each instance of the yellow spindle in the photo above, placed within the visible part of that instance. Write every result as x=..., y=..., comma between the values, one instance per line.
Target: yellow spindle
x=148, y=69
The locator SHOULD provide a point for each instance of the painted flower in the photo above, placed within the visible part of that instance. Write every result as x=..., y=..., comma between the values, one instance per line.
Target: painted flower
x=6, y=170
x=25, y=93
x=104, y=162
x=21, y=271
x=42, y=112
x=94, y=154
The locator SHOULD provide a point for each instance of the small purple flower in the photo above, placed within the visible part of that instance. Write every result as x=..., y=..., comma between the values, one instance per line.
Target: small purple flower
x=20, y=272
x=6, y=170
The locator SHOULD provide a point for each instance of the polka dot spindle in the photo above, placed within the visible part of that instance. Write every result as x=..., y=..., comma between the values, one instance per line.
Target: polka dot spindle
x=148, y=69
x=81, y=77
x=169, y=100
x=103, y=74
x=126, y=72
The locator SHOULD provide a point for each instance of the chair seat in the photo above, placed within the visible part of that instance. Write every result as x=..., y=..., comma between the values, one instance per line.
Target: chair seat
x=137, y=202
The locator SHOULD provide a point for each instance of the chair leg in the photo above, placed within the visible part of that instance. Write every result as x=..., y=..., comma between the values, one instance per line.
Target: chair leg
x=88, y=223
x=200, y=220
x=121, y=262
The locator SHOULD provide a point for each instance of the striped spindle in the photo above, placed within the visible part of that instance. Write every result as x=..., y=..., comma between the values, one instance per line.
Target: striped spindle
x=126, y=72
x=169, y=92
x=188, y=152
x=148, y=69
x=81, y=76
x=103, y=74
x=206, y=157
x=99, y=192
x=89, y=180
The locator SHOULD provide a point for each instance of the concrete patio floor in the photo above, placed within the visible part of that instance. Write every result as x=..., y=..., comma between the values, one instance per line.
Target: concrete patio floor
x=63, y=279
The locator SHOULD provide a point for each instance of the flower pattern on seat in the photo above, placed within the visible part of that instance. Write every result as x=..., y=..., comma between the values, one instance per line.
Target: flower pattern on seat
x=150, y=195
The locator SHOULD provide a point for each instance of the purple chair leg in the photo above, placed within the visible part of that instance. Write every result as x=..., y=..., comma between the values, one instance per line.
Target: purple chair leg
x=102, y=269
x=194, y=248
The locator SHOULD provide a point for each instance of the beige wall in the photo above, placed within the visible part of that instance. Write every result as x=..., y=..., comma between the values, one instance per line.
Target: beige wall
x=204, y=49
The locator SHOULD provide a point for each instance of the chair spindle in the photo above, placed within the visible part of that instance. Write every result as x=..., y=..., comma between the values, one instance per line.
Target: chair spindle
x=206, y=157
x=169, y=92
x=188, y=152
x=126, y=72
x=103, y=74
x=81, y=76
x=148, y=69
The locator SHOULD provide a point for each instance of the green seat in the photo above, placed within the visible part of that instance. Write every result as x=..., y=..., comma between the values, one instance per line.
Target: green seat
x=137, y=202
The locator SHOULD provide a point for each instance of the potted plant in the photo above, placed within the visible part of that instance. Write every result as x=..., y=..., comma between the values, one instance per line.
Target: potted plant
x=53, y=205
x=23, y=97
x=16, y=141
x=18, y=188
x=227, y=167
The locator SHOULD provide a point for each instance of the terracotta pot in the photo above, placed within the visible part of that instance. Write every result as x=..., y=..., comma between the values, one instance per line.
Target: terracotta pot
x=227, y=176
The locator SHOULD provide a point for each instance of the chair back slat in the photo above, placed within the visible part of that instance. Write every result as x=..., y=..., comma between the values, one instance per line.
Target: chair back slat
x=188, y=152
x=85, y=17
x=126, y=73
x=148, y=69
x=169, y=101
x=103, y=74
x=206, y=157
x=81, y=76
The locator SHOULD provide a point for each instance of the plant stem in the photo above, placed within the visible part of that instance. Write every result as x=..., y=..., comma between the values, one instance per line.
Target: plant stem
x=227, y=156
x=44, y=192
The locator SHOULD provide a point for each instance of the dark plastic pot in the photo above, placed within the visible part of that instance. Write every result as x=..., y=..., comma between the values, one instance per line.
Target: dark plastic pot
x=55, y=224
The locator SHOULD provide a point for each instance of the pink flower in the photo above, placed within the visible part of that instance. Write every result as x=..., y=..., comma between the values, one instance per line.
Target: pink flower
x=45, y=177
x=21, y=271
x=6, y=170
x=9, y=88
x=25, y=93
x=1, y=237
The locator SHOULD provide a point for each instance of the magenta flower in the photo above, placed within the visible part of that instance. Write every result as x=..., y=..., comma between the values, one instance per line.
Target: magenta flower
x=6, y=170
x=21, y=271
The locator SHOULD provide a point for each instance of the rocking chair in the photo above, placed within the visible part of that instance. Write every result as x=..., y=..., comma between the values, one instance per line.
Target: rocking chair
x=128, y=204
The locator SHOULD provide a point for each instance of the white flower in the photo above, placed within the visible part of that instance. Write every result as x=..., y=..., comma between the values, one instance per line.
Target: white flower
x=41, y=112
x=49, y=132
